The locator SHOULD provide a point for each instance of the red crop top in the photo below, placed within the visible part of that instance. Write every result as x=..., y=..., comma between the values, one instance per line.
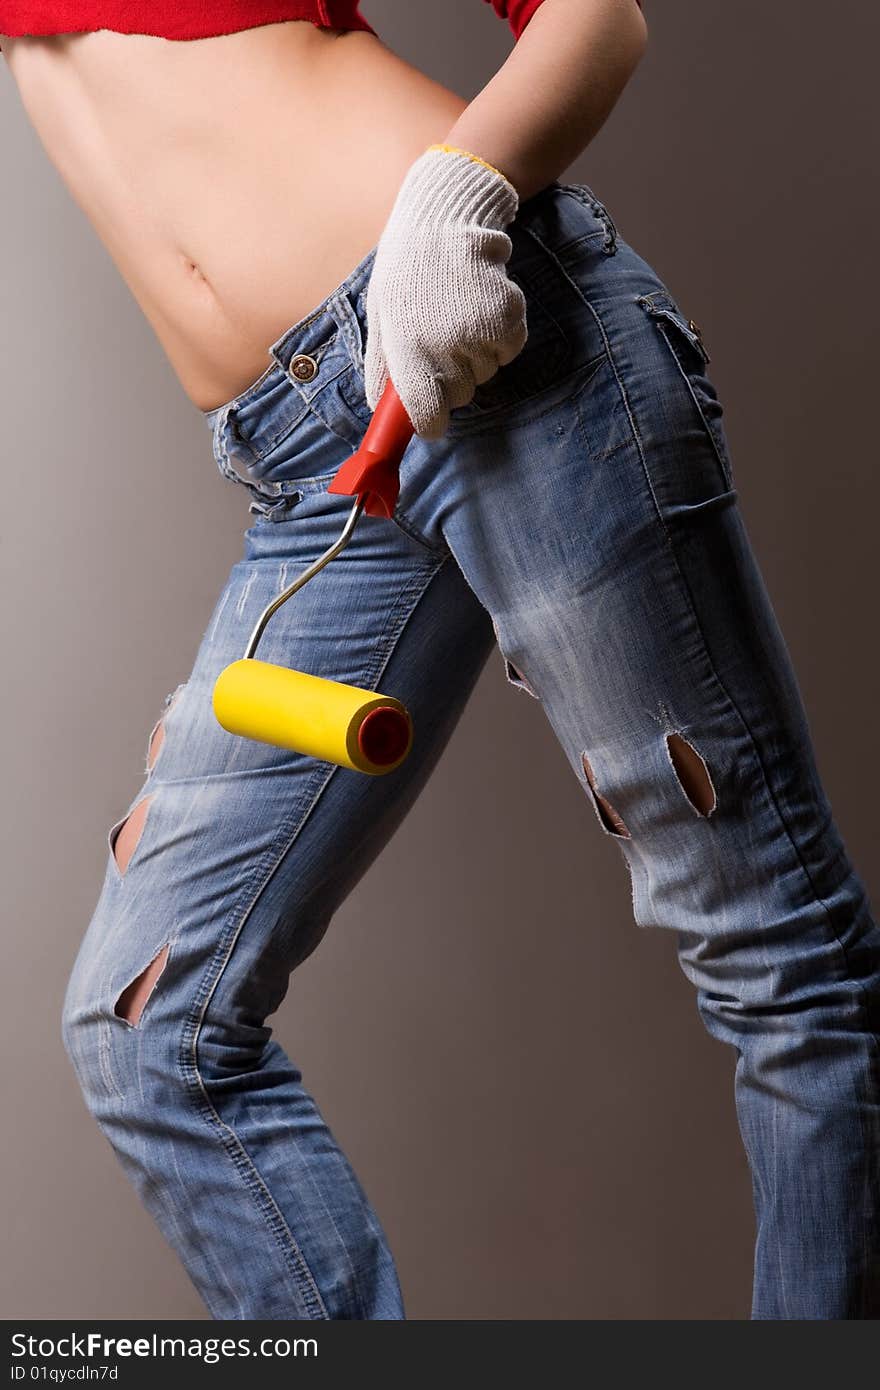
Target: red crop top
x=200, y=19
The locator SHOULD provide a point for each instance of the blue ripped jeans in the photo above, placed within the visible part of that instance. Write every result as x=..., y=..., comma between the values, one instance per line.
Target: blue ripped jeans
x=580, y=518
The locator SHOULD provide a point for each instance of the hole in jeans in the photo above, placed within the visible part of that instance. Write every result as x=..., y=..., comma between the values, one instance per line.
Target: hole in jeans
x=125, y=840
x=157, y=734
x=516, y=678
x=132, y=1001
x=692, y=773
x=608, y=817
x=157, y=738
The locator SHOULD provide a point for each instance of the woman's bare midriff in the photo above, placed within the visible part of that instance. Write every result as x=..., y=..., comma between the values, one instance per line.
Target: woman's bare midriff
x=235, y=181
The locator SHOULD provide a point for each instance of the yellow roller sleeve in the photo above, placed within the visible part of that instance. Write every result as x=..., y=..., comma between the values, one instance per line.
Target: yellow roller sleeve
x=326, y=719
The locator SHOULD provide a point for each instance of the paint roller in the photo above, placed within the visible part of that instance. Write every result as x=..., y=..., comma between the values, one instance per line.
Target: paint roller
x=360, y=729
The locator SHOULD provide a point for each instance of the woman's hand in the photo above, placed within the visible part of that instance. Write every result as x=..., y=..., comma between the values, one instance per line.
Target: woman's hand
x=442, y=314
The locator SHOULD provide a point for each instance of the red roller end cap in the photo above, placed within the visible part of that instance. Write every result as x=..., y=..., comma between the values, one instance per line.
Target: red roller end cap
x=383, y=735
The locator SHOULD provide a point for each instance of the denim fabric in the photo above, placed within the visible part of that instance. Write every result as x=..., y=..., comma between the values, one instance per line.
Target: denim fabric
x=580, y=520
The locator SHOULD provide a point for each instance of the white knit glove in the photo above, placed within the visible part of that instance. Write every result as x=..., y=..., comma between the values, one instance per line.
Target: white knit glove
x=442, y=314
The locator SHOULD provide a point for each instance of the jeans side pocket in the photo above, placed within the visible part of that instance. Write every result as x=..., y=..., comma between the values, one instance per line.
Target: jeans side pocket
x=684, y=342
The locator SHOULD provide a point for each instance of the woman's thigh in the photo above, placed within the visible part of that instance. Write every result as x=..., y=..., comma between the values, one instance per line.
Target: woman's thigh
x=241, y=850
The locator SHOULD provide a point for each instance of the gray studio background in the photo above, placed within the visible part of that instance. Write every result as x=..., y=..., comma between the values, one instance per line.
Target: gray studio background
x=517, y=1071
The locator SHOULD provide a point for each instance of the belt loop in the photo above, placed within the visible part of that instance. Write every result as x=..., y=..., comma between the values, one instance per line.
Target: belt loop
x=585, y=194
x=343, y=311
x=218, y=442
x=609, y=246
x=223, y=430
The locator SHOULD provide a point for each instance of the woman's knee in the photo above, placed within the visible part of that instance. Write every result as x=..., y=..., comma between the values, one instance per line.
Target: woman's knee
x=100, y=1026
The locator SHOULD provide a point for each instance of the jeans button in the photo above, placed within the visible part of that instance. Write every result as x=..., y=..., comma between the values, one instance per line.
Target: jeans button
x=302, y=367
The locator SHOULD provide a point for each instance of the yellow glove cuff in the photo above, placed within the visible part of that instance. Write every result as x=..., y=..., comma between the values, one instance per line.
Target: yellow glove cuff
x=455, y=149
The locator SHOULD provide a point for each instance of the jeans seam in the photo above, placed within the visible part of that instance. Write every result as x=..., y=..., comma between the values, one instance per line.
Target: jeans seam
x=401, y=519
x=188, y=1056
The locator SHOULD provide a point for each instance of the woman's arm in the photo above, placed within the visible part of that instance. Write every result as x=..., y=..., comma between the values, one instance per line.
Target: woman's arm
x=555, y=90
x=443, y=314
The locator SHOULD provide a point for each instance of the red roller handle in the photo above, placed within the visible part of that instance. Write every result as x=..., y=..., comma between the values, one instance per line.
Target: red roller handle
x=373, y=470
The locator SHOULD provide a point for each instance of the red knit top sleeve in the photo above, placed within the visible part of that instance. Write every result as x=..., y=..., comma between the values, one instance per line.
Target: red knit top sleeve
x=518, y=12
